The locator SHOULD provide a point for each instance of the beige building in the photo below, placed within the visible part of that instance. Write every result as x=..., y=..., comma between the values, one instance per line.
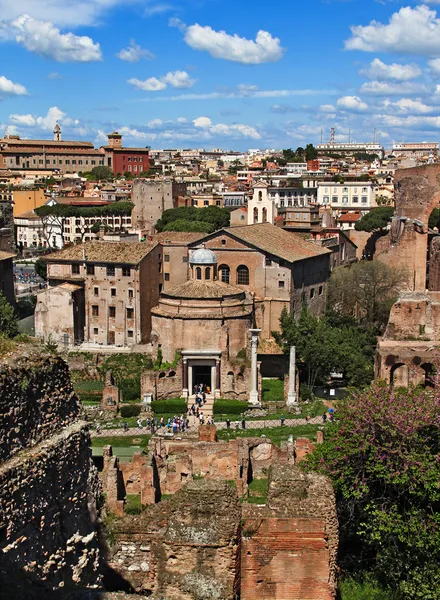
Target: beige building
x=151, y=199
x=115, y=286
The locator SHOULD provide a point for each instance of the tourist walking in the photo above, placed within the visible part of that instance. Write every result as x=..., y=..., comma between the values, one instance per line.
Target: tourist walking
x=139, y=423
x=282, y=419
x=243, y=424
x=228, y=424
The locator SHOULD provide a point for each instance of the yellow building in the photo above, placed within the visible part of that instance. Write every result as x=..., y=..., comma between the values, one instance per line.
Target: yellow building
x=26, y=200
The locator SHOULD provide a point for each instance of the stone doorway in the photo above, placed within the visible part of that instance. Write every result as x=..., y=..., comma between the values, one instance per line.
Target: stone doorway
x=202, y=374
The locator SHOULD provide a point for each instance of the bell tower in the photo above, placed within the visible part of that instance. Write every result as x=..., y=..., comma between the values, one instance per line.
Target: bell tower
x=57, y=133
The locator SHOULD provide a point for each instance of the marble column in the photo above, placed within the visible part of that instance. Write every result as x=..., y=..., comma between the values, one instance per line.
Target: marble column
x=291, y=395
x=185, y=378
x=217, y=392
x=253, y=397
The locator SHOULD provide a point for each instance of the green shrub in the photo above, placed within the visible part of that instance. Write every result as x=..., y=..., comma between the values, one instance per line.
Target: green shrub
x=305, y=392
x=132, y=410
x=130, y=389
x=133, y=504
x=229, y=407
x=176, y=406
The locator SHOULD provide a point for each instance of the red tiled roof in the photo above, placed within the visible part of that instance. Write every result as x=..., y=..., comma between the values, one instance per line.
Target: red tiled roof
x=349, y=217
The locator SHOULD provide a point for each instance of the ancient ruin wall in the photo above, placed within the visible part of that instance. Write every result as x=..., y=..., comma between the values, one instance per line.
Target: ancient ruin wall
x=186, y=547
x=36, y=401
x=48, y=485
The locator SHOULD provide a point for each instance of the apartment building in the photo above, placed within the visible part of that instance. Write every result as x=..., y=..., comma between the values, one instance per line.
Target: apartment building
x=100, y=293
x=356, y=195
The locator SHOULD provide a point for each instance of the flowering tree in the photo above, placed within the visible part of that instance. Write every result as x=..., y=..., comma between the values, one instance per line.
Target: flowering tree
x=383, y=456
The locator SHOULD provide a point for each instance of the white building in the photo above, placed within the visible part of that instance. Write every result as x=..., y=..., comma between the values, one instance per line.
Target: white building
x=356, y=195
x=33, y=233
x=234, y=199
x=261, y=209
x=352, y=148
x=415, y=149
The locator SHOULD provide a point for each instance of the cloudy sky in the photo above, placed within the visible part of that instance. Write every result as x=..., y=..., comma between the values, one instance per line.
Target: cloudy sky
x=221, y=73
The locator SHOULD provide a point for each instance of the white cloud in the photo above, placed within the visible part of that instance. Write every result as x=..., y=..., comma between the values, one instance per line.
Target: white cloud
x=206, y=124
x=435, y=65
x=44, y=39
x=380, y=70
x=9, y=88
x=406, y=105
x=61, y=12
x=176, y=79
x=327, y=108
x=54, y=115
x=382, y=88
x=154, y=123
x=409, y=31
x=220, y=44
x=241, y=94
x=134, y=53
x=152, y=84
x=157, y=9
x=352, y=103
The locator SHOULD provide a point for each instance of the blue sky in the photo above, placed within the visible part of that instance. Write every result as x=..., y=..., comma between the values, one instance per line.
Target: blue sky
x=221, y=73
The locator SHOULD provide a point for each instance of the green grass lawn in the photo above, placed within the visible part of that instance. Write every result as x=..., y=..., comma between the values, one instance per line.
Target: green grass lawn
x=121, y=441
x=272, y=390
x=257, y=491
x=275, y=434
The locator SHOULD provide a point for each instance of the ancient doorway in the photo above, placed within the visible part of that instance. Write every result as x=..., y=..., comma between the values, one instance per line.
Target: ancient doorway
x=429, y=372
x=202, y=374
x=399, y=376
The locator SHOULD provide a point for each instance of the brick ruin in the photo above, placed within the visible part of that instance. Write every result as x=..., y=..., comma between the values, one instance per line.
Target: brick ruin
x=406, y=352
x=48, y=485
x=195, y=540
x=199, y=543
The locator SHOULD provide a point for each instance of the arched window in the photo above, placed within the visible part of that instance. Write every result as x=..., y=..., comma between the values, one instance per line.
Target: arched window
x=225, y=273
x=264, y=215
x=242, y=275
x=198, y=273
x=208, y=273
x=255, y=215
x=260, y=195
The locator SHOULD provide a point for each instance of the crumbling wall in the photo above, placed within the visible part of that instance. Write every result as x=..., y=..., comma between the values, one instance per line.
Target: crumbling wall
x=184, y=548
x=289, y=546
x=36, y=401
x=417, y=193
x=48, y=485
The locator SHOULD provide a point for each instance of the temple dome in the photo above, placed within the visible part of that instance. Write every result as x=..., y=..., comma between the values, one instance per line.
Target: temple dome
x=203, y=256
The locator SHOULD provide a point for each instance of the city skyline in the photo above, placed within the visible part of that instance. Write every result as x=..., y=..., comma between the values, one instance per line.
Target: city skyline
x=202, y=73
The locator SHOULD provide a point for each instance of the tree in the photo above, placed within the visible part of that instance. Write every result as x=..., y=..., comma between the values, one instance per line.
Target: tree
x=102, y=173
x=215, y=215
x=378, y=218
x=382, y=200
x=8, y=318
x=327, y=344
x=311, y=152
x=434, y=219
x=41, y=268
x=366, y=290
x=383, y=457
x=183, y=225
x=235, y=166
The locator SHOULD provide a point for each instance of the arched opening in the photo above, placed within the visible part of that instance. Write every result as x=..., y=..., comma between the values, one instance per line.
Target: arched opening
x=225, y=273
x=264, y=215
x=429, y=371
x=260, y=195
x=208, y=273
x=198, y=273
x=255, y=215
x=399, y=375
x=162, y=375
x=172, y=374
x=242, y=275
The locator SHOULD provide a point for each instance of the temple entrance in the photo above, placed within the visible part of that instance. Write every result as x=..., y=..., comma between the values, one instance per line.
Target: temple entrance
x=202, y=374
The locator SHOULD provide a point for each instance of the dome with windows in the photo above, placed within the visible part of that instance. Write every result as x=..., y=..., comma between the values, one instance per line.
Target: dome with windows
x=203, y=256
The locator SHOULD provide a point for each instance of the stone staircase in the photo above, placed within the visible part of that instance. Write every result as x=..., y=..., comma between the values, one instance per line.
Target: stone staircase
x=207, y=408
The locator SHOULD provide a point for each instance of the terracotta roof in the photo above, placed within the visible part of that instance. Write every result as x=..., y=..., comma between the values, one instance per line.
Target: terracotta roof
x=276, y=241
x=128, y=253
x=171, y=237
x=203, y=289
x=80, y=201
x=5, y=255
x=349, y=217
x=30, y=215
x=14, y=142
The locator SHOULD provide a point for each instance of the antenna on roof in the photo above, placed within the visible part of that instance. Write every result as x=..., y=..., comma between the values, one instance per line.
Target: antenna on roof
x=332, y=135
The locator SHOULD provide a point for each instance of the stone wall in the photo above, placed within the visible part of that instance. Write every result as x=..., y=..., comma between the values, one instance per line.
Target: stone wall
x=184, y=548
x=289, y=547
x=48, y=485
x=36, y=401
